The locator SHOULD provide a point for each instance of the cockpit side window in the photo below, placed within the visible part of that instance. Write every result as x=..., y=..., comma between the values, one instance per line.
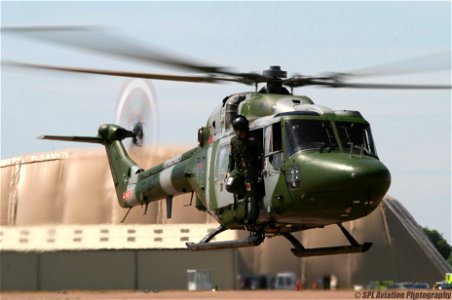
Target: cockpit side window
x=275, y=146
x=356, y=136
x=275, y=138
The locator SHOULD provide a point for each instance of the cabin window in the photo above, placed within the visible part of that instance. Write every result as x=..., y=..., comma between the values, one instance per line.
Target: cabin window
x=221, y=162
x=356, y=136
x=231, y=106
x=309, y=135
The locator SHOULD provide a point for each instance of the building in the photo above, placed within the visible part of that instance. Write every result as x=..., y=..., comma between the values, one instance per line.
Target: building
x=61, y=226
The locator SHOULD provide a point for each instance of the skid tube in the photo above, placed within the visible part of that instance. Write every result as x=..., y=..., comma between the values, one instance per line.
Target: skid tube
x=301, y=251
x=254, y=239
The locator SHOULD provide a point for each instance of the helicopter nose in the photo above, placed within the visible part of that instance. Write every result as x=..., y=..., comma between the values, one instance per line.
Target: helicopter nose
x=342, y=183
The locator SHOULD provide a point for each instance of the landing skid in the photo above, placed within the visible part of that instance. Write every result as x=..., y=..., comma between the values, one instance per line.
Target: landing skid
x=254, y=239
x=301, y=251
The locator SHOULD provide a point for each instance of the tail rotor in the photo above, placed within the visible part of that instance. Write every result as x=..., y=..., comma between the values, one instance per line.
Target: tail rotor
x=136, y=111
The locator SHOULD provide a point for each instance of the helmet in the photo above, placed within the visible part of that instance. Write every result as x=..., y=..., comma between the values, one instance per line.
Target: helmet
x=240, y=123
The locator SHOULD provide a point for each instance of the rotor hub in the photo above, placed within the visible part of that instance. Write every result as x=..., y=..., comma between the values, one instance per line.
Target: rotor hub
x=275, y=72
x=138, y=134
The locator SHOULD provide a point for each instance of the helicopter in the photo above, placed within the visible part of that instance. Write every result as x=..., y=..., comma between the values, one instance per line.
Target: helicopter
x=318, y=166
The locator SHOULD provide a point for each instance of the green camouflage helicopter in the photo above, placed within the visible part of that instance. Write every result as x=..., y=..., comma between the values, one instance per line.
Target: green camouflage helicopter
x=318, y=166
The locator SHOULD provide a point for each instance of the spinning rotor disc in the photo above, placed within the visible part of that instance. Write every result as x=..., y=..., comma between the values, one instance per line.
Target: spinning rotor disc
x=102, y=41
x=136, y=110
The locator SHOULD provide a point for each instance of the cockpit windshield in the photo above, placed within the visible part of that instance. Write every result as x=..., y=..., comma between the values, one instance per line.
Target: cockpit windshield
x=356, y=136
x=309, y=135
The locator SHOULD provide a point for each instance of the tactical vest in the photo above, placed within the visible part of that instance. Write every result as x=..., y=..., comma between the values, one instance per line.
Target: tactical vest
x=245, y=152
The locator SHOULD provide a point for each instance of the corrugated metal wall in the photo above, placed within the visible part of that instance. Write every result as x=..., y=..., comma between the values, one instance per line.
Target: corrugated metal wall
x=112, y=269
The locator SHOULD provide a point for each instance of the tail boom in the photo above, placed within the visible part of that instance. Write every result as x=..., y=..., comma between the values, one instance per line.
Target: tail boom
x=133, y=185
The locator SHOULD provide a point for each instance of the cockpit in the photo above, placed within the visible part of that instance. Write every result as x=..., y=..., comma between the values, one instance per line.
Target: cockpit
x=319, y=135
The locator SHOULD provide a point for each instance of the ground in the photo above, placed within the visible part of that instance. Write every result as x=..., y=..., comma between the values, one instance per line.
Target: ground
x=236, y=295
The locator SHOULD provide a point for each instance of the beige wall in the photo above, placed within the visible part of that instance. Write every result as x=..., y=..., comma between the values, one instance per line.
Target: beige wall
x=76, y=187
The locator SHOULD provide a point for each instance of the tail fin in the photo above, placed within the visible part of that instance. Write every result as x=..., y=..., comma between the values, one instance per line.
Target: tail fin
x=123, y=169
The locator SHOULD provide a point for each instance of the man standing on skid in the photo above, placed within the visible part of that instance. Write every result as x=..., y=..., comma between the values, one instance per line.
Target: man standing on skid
x=244, y=166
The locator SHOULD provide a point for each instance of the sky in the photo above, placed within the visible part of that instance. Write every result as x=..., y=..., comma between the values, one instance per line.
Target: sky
x=411, y=129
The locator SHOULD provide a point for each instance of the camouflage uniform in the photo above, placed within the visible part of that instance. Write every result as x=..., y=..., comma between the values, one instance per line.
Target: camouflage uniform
x=244, y=166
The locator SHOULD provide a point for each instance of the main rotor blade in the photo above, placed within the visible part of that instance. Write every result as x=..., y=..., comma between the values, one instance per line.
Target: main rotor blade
x=97, y=39
x=335, y=82
x=386, y=86
x=426, y=63
x=181, y=78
